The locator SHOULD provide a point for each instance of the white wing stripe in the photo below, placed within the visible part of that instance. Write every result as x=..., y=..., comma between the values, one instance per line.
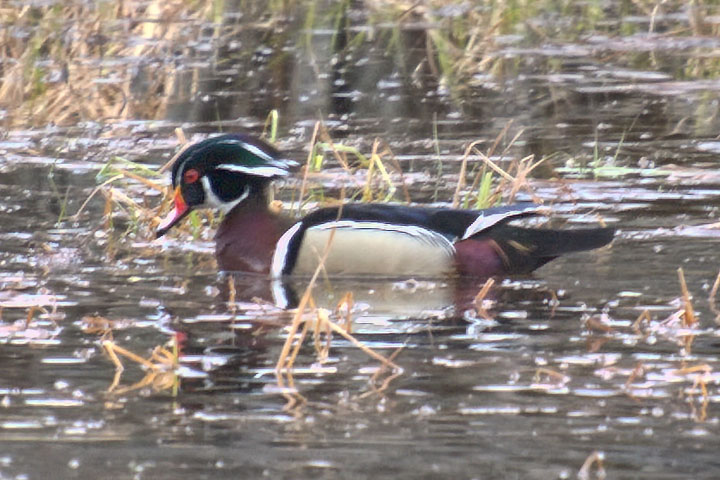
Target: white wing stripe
x=483, y=222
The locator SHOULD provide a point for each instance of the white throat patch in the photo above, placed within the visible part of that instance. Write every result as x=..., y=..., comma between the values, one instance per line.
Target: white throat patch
x=211, y=199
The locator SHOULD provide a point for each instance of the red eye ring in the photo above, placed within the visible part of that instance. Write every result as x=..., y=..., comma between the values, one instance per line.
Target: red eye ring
x=191, y=176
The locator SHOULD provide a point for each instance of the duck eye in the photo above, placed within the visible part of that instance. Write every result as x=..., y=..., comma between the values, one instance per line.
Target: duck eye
x=191, y=176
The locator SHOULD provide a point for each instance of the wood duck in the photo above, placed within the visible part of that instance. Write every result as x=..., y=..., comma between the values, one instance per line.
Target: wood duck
x=233, y=173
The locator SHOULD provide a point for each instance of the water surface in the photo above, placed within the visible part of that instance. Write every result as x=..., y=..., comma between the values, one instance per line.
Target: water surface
x=553, y=372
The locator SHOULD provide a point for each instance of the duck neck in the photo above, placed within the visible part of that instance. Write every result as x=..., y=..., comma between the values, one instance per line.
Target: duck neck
x=246, y=238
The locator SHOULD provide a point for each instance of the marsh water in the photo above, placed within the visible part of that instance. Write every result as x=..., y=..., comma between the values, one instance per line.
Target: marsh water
x=555, y=371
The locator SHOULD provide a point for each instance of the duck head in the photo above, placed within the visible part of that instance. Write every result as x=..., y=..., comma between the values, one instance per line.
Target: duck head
x=222, y=172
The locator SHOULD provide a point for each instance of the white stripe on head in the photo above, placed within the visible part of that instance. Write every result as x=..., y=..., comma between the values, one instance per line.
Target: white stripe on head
x=266, y=171
x=258, y=152
x=281, y=251
x=483, y=222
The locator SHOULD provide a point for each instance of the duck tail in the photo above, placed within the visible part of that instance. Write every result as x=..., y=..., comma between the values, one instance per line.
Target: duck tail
x=525, y=249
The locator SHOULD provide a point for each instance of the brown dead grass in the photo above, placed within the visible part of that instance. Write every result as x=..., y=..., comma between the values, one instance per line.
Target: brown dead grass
x=88, y=61
x=680, y=327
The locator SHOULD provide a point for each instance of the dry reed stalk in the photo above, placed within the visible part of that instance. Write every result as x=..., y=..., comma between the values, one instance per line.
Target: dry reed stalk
x=367, y=191
x=559, y=378
x=702, y=373
x=517, y=181
x=493, y=166
x=304, y=301
x=115, y=196
x=598, y=325
x=704, y=368
x=499, y=138
x=306, y=172
x=637, y=372
x=98, y=325
x=11, y=89
x=643, y=317
x=97, y=189
x=340, y=157
x=118, y=197
x=161, y=366
x=479, y=301
x=702, y=383
x=141, y=179
x=31, y=314
x=554, y=303
x=689, y=318
x=488, y=45
x=525, y=167
x=344, y=311
x=370, y=352
x=595, y=458
x=387, y=151
x=281, y=364
x=461, y=176
x=320, y=327
x=376, y=162
x=107, y=210
x=711, y=298
x=107, y=346
x=289, y=352
x=183, y=141
x=386, y=382
x=484, y=290
x=300, y=340
x=158, y=380
x=113, y=349
x=232, y=294
x=295, y=400
x=163, y=357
